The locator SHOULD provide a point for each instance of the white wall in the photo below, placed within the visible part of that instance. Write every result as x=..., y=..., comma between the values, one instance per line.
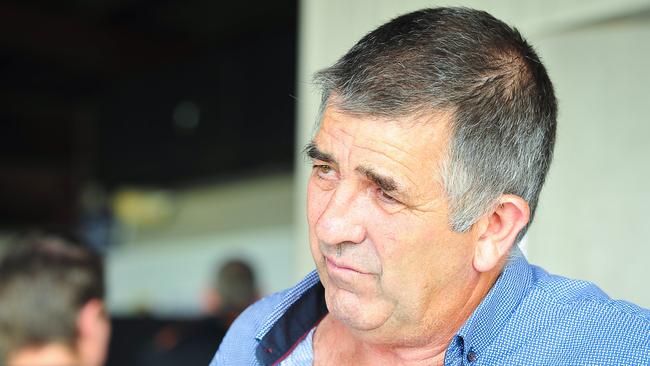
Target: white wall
x=593, y=222
x=164, y=268
x=169, y=276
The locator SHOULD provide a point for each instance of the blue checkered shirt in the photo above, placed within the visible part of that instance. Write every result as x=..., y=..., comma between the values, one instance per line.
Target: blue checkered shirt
x=529, y=317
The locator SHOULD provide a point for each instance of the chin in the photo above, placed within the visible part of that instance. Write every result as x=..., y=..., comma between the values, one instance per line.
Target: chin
x=357, y=313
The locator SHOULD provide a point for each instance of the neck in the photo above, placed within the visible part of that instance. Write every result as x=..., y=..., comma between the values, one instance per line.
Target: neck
x=48, y=355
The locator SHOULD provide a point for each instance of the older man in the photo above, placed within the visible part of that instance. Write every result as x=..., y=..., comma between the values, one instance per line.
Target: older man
x=435, y=137
x=51, y=305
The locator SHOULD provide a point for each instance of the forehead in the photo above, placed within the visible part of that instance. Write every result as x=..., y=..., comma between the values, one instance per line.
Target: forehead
x=409, y=151
x=423, y=137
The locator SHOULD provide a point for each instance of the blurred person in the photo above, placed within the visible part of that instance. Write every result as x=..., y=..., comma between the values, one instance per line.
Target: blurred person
x=435, y=137
x=52, y=310
x=234, y=290
x=191, y=342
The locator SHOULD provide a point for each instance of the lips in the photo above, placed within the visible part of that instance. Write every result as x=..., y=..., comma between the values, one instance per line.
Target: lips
x=339, y=266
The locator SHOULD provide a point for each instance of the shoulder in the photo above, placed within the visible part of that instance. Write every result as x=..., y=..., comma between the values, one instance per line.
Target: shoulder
x=579, y=322
x=238, y=345
x=570, y=294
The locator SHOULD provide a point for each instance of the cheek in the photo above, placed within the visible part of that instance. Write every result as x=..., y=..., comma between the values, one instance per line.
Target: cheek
x=408, y=248
x=392, y=235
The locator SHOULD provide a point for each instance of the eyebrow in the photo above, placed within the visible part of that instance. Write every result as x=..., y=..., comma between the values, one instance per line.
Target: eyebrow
x=313, y=152
x=386, y=183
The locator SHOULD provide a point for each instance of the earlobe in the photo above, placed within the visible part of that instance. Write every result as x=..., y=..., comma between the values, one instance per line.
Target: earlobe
x=486, y=255
x=498, y=231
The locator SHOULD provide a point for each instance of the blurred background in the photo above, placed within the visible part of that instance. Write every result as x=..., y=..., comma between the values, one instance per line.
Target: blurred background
x=167, y=135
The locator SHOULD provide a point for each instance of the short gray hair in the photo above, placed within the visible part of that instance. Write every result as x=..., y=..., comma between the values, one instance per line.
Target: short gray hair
x=468, y=62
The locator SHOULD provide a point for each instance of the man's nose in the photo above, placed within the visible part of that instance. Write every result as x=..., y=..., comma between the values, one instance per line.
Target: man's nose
x=342, y=221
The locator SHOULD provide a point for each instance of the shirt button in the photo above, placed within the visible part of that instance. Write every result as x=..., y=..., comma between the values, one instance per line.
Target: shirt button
x=471, y=356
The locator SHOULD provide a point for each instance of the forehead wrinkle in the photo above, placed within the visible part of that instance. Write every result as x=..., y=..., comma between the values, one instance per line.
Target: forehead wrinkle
x=403, y=152
x=391, y=159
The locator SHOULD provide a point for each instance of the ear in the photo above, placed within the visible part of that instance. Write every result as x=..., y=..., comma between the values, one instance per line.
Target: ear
x=89, y=314
x=93, y=328
x=498, y=230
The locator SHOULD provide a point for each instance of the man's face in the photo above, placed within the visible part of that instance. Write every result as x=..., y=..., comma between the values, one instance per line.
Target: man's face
x=378, y=222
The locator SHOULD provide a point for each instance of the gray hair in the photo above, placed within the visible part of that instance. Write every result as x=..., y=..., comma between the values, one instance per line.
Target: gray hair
x=470, y=63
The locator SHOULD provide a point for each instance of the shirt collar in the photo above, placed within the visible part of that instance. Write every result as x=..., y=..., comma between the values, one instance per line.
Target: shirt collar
x=301, y=308
x=290, y=297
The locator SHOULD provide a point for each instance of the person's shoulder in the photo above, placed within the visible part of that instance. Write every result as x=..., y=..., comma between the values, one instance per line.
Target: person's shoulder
x=582, y=322
x=567, y=293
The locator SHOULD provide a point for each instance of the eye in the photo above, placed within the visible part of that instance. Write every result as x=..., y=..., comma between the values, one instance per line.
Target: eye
x=385, y=197
x=324, y=171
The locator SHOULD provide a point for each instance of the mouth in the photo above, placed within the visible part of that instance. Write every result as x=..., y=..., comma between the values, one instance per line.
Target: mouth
x=340, y=267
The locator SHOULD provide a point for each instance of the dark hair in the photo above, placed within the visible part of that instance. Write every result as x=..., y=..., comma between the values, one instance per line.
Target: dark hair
x=44, y=282
x=469, y=63
x=236, y=285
